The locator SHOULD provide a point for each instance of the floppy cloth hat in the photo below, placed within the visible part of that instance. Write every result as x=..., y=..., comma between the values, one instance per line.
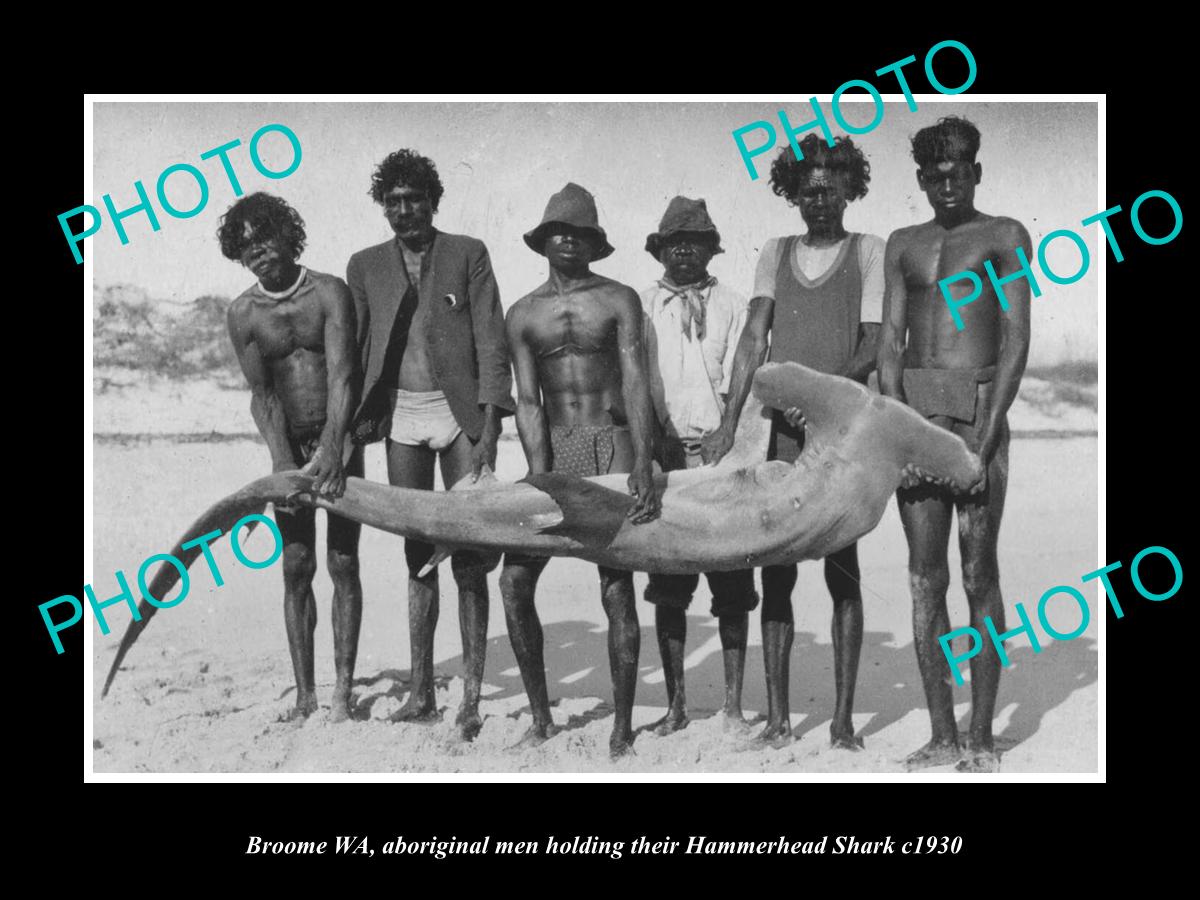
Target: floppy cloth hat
x=572, y=206
x=683, y=215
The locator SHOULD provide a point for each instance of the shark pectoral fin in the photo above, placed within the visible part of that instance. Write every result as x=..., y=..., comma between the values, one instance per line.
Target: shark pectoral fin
x=591, y=514
x=487, y=478
x=440, y=555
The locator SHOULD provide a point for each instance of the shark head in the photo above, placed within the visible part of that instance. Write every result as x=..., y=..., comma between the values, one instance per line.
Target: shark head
x=840, y=411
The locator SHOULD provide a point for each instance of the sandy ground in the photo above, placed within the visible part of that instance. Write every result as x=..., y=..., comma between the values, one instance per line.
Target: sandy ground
x=203, y=688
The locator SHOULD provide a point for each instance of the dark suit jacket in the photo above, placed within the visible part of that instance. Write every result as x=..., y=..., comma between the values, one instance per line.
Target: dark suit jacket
x=466, y=341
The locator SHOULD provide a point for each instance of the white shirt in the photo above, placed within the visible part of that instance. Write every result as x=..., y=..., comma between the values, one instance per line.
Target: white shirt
x=813, y=262
x=687, y=376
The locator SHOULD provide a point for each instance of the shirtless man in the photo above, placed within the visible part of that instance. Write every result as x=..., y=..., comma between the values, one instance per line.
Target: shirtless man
x=583, y=407
x=293, y=333
x=964, y=380
x=436, y=383
x=819, y=297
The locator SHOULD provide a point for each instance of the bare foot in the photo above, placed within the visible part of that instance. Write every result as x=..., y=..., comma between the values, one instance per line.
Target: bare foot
x=535, y=736
x=841, y=739
x=733, y=722
x=306, y=705
x=341, y=706
x=421, y=713
x=620, y=746
x=935, y=753
x=673, y=721
x=979, y=761
x=469, y=723
x=776, y=734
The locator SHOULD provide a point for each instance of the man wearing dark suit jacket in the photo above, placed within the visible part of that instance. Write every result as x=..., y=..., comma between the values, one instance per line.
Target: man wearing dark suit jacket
x=436, y=384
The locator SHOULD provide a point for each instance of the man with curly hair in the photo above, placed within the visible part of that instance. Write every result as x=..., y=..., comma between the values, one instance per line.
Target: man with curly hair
x=819, y=298
x=963, y=379
x=293, y=332
x=436, y=384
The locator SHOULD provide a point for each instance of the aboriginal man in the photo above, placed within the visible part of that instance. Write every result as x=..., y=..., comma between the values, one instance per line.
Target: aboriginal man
x=820, y=298
x=436, y=384
x=692, y=326
x=963, y=377
x=583, y=408
x=293, y=332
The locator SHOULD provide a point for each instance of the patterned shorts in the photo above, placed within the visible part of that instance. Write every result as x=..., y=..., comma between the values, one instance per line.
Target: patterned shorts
x=583, y=450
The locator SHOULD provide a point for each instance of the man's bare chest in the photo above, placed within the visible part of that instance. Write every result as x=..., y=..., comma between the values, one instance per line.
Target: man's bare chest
x=572, y=324
x=936, y=255
x=285, y=329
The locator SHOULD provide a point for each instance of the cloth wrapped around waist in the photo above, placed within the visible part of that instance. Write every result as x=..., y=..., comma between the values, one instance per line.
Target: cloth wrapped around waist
x=946, y=392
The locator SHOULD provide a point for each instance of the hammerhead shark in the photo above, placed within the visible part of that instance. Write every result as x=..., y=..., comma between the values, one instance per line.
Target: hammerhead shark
x=744, y=512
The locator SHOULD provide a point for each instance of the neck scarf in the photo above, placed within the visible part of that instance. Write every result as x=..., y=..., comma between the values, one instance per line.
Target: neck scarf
x=692, y=300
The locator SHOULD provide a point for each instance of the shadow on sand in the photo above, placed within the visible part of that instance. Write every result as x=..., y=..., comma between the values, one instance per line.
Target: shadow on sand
x=889, y=688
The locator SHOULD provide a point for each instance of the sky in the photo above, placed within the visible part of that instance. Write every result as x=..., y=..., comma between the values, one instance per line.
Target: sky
x=500, y=162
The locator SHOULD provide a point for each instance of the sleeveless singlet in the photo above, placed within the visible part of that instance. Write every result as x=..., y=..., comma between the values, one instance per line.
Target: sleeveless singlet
x=815, y=324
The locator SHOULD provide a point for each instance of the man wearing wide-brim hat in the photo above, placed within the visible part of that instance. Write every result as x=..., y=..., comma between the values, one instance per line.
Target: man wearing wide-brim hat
x=583, y=408
x=692, y=326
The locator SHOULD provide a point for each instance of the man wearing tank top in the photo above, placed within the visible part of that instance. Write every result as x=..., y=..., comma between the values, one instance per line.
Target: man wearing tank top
x=818, y=301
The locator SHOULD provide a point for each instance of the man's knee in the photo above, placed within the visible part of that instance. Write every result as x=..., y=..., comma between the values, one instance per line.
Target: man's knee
x=843, y=586
x=343, y=567
x=299, y=566
x=517, y=584
x=671, y=591
x=733, y=593
x=929, y=580
x=416, y=554
x=980, y=579
x=777, y=609
x=778, y=582
x=670, y=622
x=472, y=566
x=615, y=580
x=616, y=592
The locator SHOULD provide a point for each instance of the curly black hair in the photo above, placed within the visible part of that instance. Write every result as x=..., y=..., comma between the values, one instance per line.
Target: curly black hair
x=788, y=174
x=407, y=167
x=953, y=137
x=269, y=216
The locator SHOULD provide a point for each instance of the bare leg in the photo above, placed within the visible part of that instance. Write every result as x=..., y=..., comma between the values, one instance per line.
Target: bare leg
x=342, y=558
x=978, y=532
x=778, y=630
x=299, y=606
x=842, y=579
x=470, y=575
x=670, y=625
x=518, y=582
x=412, y=467
x=624, y=646
x=733, y=594
x=671, y=595
x=925, y=513
x=734, y=630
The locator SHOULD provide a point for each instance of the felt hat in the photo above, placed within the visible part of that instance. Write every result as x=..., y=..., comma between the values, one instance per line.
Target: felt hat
x=573, y=206
x=687, y=215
